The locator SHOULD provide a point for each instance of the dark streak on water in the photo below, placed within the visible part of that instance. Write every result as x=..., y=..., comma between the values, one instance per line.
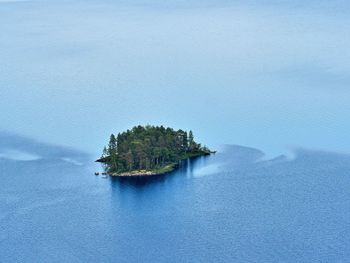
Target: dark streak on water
x=230, y=207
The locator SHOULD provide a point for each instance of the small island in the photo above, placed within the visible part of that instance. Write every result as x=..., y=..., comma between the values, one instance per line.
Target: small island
x=149, y=150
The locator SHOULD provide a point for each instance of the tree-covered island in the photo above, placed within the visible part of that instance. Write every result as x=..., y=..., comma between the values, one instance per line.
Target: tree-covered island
x=149, y=150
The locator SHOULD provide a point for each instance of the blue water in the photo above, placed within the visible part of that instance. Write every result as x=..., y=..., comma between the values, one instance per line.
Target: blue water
x=271, y=74
x=234, y=206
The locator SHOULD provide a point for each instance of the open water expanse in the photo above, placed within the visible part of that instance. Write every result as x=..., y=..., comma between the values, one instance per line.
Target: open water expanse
x=235, y=206
x=268, y=74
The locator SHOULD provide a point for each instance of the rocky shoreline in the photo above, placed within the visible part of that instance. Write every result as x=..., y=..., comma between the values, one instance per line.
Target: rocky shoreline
x=135, y=173
x=159, y=171
x=138, y=173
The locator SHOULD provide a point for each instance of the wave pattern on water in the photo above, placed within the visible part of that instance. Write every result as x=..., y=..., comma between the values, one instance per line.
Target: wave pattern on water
x=233, y=206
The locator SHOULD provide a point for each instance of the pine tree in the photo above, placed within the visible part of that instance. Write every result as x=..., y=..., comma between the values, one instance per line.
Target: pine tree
x=104, y=152
x=185, y=141
x=112, y=152
x=112, y=145
x=191, y=143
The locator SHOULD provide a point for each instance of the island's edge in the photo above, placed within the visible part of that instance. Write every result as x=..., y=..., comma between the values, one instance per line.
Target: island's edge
x=160, y=171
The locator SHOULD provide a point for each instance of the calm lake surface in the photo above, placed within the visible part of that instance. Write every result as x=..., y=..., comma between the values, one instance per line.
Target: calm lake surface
x=268, y=74
x=234, y=206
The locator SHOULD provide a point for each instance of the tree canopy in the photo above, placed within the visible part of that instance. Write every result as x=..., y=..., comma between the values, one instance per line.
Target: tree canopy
x=149, y=147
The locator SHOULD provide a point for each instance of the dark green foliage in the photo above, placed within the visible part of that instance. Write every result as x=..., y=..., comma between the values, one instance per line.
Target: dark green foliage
x=149, y=148
x=191, y=142
x=112, y=153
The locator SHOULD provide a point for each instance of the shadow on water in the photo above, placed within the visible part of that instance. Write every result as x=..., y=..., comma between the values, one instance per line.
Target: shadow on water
x=186, y=168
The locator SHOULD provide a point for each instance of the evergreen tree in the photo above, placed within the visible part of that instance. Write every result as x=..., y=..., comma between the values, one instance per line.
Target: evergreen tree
x=185, y=141
x=104, y=156
x=112, y=153
x=191, y=142
x=104, y=153
x=112, y=145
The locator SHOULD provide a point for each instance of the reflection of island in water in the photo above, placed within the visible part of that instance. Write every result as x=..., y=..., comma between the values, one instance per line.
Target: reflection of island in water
x=186, y=168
